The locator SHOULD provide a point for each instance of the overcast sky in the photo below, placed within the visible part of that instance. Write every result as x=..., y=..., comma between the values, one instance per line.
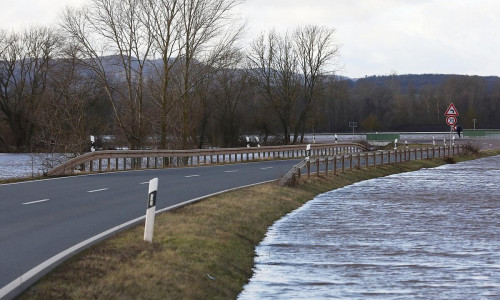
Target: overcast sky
x=378, y=37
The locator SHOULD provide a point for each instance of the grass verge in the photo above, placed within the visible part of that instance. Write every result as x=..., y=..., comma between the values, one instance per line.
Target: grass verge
x=201, y=251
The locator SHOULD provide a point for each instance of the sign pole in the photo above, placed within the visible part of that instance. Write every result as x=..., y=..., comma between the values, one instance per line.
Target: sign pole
x=451, y=119
x=151, y=210
x=451, y=136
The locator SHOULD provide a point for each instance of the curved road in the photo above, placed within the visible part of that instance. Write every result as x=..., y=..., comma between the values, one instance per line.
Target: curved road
x=44, y=222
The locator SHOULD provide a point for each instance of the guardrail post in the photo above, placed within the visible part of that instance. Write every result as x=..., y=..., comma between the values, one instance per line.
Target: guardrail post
x=335, y=165
x=326, y=165
x=343, y=163
x=350, y=161
x=308, y=165
x=359, y=160
x=317, y=166
x=366, y=160
x=382, y=158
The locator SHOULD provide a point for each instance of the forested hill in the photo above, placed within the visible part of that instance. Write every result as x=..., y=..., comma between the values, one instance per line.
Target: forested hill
x=410, y=82
x=412, y=102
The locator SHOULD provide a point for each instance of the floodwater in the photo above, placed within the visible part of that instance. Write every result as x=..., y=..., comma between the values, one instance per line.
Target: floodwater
x=430, y=234
x=19, y=165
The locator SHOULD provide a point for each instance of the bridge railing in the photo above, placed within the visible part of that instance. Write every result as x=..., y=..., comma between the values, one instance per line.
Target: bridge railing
x=343, y=161
x=114, y=160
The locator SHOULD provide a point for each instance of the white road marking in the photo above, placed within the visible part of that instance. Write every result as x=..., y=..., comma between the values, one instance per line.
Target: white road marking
x=233, y=171
x=38, y=201
x=99, y=190
x=146, y=182
x=190, y=176
x=267, y=168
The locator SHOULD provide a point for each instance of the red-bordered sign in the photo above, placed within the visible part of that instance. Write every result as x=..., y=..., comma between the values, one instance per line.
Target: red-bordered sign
x=451, y=120
x=451, y=111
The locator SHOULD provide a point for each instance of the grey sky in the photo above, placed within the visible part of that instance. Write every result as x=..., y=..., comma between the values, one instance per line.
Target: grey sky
x=378, y=37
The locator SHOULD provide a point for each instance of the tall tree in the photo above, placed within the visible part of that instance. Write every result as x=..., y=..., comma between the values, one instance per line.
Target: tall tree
x=273, y=65
x=316, y=48
x=116, y=46
x=25, y=62
x=209, y=33
x=163, y=20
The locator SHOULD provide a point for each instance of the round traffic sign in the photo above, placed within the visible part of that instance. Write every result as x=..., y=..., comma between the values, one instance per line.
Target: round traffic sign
x=451, y=120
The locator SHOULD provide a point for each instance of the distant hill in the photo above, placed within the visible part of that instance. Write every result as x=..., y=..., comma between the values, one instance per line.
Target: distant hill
x=417, y=81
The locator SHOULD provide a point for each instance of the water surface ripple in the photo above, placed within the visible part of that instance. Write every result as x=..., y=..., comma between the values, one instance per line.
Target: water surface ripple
x=430, y=234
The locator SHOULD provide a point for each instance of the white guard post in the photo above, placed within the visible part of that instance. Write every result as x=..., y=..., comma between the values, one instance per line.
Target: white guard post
x=395, y=144
x=308, y=151
x=336, y=139
x=151, y=210
x=92, y=143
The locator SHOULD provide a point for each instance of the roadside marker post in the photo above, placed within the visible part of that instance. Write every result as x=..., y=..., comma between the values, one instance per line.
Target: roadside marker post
x=308, y=151
x=151, y=210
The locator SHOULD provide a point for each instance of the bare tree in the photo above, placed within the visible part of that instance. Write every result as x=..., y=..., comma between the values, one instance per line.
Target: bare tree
x=232, y=87
x=208, y=35
x=162, y=19
x=316, y=48
x=116, y=46
x=274, y=72
x=25, y=61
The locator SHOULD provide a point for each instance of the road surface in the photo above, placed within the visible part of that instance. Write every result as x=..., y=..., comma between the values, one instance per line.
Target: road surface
x=44, y=222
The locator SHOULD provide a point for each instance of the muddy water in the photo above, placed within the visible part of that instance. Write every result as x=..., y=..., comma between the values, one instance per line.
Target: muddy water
x=430, y=234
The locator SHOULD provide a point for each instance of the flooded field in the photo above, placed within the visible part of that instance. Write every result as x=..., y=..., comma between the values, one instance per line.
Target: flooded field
x=18, y=165
x=430, y=234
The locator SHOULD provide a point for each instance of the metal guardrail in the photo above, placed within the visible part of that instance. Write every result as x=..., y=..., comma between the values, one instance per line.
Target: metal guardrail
x=113, y=160
x=340, y=162
x=490, y=133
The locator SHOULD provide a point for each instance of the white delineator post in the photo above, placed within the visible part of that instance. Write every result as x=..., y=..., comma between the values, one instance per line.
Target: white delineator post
x=151, y=210
x=308, y=151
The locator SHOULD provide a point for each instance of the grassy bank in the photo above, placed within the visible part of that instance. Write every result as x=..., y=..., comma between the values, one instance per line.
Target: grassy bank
x=201, y=251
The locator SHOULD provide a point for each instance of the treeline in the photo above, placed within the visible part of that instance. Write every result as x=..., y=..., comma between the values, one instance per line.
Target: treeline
x=415, y=102
x=174, y=75
x=156, y=74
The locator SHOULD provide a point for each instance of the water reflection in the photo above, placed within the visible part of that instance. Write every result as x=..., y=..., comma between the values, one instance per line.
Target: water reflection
x=431, y=234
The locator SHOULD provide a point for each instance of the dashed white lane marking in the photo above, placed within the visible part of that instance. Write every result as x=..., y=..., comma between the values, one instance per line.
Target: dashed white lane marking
x=190, y=176
x=99, y=190
x=146, y=182
x=267, y=168
x=232, y=171
x=38, y=201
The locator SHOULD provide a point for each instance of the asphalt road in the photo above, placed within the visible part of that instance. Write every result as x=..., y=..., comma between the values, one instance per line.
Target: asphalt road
x=45, y=222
